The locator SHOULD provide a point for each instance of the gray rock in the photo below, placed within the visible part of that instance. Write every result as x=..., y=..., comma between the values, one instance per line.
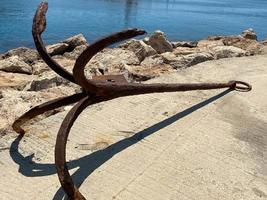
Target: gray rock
x=15, y=64
x=57, y=49
x=190, y=44
x=45, y=81
x=249, y=34
x=159, y=42
x=195, y=58
x=228, y=52
x=26, y=54
x=75, y=41
x=141, y=49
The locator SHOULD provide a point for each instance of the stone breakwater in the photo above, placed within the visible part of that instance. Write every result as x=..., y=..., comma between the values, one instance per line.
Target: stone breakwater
x=26, y=81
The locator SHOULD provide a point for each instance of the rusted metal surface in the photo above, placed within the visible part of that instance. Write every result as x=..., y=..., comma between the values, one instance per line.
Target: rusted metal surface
x=95, y=90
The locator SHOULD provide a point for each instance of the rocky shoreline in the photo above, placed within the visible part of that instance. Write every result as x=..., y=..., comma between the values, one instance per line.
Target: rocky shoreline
x=26, y=81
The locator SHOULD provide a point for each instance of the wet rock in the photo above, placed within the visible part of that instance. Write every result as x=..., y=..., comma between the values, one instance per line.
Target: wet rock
x=57, y=49
x=159, y=42
x=15, y=81
x=76, y=52
x=249, y=34
x=15, y=64
x=189, y=44
x=75, y=41
x=228, y=52
x=141, y=49
x=26, y=54
x=44, y=81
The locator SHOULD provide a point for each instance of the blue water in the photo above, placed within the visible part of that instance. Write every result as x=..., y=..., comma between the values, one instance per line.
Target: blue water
x=179, y=19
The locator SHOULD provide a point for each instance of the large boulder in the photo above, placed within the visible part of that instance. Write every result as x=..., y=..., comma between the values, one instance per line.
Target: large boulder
x=159, y=42
x=26, y=54
x=74, y=41
x=249, y=34
x=228, y=52
x=57, y=49
x=141, y=49
x=15, y=64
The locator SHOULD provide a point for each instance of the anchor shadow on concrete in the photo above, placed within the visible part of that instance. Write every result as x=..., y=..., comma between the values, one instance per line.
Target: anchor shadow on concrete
x=90, y=163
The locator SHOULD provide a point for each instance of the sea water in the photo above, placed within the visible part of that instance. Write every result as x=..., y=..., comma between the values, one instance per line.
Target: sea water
x=179, y=19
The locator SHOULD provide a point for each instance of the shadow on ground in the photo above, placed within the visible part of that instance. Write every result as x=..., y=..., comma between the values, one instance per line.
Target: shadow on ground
x=89, y=163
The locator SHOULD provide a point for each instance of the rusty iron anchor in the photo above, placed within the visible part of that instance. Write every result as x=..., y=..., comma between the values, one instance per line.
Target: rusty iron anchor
x=98, y=89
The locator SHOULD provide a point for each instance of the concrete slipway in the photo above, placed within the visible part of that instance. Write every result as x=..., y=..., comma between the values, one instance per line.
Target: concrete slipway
x=187, y=146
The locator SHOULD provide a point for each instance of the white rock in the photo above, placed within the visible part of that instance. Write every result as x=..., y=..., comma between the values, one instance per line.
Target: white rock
x=15, y=64
x=228, y=52
x=159, y=42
